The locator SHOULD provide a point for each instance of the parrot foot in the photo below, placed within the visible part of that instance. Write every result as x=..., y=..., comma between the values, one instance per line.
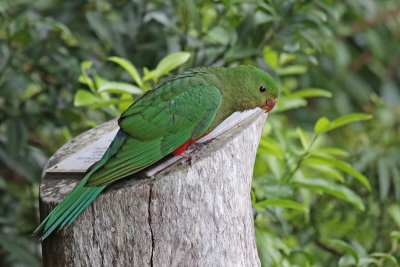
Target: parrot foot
x=197, y=149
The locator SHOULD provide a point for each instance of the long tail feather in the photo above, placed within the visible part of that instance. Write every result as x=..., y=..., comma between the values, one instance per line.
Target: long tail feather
x=79, y=198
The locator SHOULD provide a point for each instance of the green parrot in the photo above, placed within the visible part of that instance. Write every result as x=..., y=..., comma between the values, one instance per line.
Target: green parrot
x=166, y=120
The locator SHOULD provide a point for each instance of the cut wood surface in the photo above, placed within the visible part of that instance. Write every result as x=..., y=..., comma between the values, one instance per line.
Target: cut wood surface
x=185, y=215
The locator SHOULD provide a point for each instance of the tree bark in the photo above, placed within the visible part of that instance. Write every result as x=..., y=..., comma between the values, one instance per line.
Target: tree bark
x=186, y=215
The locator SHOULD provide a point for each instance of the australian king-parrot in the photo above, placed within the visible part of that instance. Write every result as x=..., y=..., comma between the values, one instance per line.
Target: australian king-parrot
x=166, y=120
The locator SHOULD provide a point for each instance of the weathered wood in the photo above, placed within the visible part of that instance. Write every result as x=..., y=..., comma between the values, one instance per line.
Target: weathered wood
x=186, y=215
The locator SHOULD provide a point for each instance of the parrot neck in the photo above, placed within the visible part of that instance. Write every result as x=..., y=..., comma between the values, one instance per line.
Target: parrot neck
x=232, y=88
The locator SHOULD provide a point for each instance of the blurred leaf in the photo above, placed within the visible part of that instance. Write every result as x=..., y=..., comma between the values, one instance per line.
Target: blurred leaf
x=309, y=92
x=129, y=67
x=384, y=178
x=270, y=56
x=84, y=78
x=341, y=165
x=334, y=151
x=285, y=58
x=284, y=203
x=284, y=104
x=170, y=62
x=291, y=70
x=208, y=18
x=394, y=212
x=100, y=25
x=330, y=188
x=272, y=248
x=21, y=166
x=223, y=35
x=336, y=243
x=305, y=142
x=395, y=234
x=324, y=125
x=16, y=136
x=269, y=146
x=331, y=172
x=385, y=256
x=126, y=102
x=85, y=98
x=4, y=56
x=119, y=88
x=111, y=102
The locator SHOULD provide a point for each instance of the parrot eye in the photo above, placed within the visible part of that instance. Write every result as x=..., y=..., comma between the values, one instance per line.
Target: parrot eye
x=262, y=89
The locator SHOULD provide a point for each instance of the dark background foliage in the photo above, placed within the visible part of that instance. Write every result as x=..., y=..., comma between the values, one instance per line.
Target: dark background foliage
x=309, y=208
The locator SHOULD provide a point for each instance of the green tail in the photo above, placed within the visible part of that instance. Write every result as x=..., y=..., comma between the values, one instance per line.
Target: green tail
x=80, y=197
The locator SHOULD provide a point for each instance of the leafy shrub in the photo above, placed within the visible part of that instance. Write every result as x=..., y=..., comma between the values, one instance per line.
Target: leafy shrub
x=332, y=59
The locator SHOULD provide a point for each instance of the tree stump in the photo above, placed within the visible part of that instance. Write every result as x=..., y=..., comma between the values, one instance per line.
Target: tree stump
x=196, y=214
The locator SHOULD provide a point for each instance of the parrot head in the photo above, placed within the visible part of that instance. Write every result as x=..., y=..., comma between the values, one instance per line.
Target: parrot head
x=253, y=88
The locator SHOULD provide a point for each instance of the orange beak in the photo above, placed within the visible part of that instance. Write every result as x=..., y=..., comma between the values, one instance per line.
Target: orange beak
x=269, y=105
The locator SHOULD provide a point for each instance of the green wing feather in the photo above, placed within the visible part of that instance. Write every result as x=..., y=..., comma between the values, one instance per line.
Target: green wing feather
x=187, y=113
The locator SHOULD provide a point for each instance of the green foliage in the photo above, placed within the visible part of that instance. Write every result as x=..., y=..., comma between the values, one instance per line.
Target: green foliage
x=100, y=90
x=325, y=192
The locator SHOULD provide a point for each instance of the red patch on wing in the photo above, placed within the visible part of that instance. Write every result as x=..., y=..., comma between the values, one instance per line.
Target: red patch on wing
x=183, y=147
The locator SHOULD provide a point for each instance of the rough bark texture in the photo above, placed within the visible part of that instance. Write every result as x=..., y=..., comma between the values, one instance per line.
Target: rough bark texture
x=186, y=215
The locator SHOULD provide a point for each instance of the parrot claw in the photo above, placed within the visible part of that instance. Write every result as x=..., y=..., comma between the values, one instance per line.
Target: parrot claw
x=196, y=150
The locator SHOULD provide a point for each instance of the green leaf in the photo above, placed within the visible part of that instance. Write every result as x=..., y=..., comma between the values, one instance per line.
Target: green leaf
x=394, y=212
x=341, y=165
x=336, y=243
x=286, y=58
x=126, y=101
x=100, y=25
x=129, y=67
x=270, y=146
x=384, y=178
x=253, y=197
x=395, y=234
x=324, y=125
x=16, y=136
x=23, y=165
x=106, y=103
x=303, y=138
x=270, y=56
x=150, y=75
x=291, y=70
x=284, y=104
x=309, y=92
x=331, y=188
x=223, y=35
x=170, y=62
x=385, y=256
x=334, y=151
x=120, y=88
x=4, y=56
x=85, y=98
x=327, y=170
x=284, y=203
x=349, y=119
x=84, y=78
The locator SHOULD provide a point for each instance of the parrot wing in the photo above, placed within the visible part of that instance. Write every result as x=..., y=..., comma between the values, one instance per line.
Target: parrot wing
x=158, y=123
